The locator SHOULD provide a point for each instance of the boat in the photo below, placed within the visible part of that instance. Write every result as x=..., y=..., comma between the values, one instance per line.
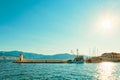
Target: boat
x=78, y=59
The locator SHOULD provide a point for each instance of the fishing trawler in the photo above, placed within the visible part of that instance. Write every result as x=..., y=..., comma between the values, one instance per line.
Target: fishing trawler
x=78, y=58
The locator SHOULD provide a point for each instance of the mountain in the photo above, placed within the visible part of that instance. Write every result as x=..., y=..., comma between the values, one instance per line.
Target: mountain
x=15, y=55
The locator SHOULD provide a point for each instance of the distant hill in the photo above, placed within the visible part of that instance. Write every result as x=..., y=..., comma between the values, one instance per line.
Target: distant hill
x=15, y=54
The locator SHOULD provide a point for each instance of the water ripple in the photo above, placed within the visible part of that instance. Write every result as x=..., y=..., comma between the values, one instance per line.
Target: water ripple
x=90, y=71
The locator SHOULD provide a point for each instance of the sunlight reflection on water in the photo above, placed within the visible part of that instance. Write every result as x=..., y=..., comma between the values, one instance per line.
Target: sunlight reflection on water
x=106, y=71
x=86, y=71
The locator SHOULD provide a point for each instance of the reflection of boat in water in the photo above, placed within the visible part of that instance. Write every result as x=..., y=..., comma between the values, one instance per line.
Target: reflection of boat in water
x=77, y=59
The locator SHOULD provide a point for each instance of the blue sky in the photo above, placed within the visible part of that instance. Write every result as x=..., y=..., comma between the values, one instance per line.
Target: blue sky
x=57, y=26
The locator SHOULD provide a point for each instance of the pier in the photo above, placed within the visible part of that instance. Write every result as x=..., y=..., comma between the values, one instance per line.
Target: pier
x=21, y=60
x=42, y=61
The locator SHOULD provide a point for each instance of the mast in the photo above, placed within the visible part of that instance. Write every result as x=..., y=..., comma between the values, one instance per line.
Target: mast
x=72, y=52
x=89, y=52
x=77, y=52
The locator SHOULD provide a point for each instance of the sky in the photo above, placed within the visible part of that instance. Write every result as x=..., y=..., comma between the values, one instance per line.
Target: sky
x=58, y=26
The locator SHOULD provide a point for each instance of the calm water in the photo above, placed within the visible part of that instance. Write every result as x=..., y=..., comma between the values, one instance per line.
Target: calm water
x=89, y=71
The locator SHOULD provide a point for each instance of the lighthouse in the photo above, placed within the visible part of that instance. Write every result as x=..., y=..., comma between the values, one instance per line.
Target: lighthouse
x=21, y=57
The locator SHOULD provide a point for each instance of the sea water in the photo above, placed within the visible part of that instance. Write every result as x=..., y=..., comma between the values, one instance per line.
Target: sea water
x=64, y=71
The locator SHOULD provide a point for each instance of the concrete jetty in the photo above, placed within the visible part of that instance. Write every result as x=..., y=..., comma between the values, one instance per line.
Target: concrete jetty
x=42, y=61
x=21, y=60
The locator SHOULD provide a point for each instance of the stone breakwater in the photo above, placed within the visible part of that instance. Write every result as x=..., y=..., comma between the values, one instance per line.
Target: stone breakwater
x=42, y=61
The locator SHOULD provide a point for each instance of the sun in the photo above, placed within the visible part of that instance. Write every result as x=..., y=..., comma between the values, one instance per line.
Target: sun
x=106, y=23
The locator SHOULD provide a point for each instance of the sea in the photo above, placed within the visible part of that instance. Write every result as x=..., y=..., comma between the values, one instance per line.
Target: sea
x=58, y=71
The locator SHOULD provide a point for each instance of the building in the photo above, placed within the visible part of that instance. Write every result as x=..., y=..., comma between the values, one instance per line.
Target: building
x=115, y=57
x=105, y=57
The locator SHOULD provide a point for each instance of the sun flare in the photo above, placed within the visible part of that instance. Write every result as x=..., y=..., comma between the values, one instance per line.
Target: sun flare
x=106, y=24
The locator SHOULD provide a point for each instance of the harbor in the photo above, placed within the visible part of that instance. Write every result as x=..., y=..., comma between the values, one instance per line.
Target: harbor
x=105, y=57
x=77, y=59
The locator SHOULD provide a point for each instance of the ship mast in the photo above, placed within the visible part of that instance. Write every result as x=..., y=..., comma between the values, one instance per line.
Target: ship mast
x=77, y=52
x=72, y=52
